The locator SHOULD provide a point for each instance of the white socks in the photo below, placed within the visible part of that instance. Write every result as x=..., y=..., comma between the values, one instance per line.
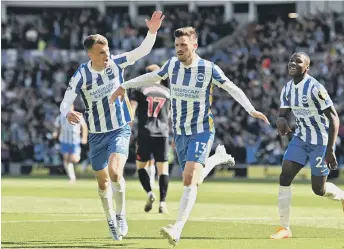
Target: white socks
x=186, y=204
x=69, y=167
x=333, y=192
x=106, y=199
x=284, y=202
x=210, y=163
x=119, y=195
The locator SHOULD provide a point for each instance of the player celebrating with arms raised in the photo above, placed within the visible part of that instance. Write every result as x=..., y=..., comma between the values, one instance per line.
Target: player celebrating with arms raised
x=317, y=125
x=107, y=123
x=191, y=82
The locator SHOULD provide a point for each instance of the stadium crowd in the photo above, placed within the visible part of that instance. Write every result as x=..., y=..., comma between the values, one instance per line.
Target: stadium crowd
x=255, y=59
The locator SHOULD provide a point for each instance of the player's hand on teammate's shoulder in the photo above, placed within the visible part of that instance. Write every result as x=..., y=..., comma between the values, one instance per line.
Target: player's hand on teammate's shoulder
x=330, y=159
x=282, y=126
x=155, y=22
x=74, y=117
x=120, y=91
x=257, y=114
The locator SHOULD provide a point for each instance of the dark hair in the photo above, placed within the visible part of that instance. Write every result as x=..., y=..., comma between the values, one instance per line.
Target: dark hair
x=94, y=39
x=186, y=31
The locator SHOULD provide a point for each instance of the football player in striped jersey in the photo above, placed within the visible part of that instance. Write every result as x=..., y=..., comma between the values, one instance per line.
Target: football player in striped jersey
x=109, y=132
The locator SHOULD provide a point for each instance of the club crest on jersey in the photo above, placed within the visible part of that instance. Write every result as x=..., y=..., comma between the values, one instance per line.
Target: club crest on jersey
x=108, y=71
x=200, y=77
x=304, y=99
x=322, y=94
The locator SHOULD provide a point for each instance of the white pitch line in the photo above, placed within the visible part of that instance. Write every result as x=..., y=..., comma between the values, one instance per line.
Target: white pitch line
x=193, y=219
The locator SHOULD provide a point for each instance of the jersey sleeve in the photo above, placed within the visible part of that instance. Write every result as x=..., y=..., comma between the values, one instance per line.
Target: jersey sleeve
x=218, y=76
x=163, y=71
x=73, y=90
x=320, y=97
x=221, y=80
x=285, y=101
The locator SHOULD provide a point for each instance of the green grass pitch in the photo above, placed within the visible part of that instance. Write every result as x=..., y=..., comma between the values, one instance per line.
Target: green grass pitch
x=51, y=213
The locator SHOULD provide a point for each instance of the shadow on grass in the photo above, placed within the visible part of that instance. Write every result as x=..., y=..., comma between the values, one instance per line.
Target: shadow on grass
x=273, y=180
x=78, y=244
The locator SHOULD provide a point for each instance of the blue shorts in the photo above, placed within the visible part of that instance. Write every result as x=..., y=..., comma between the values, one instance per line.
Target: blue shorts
x=301, y=152
x=104, y=144
x=193, y=148
x=70, y=148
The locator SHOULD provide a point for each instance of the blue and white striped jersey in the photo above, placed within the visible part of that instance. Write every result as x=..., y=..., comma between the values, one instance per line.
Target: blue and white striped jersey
x=191, y=93
x=69, y=134
x=95, y=88
x=307, y=100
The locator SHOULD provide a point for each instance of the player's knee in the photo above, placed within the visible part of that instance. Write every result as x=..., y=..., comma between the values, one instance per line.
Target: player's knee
x=285, y=180
x=162, y=168
x=103, y=183
x=141, y=165
x=318, y=190
x=187, y=178
x=115, y=175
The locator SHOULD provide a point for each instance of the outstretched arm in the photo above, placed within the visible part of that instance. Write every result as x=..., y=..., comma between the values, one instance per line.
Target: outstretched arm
x=223, y=82
x=143, y=80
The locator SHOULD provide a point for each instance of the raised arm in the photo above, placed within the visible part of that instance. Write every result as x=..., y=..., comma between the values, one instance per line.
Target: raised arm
x=223, y=82
x=147, y=44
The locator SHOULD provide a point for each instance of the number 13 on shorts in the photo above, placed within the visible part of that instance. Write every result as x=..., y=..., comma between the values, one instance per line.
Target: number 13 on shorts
x=200, y=147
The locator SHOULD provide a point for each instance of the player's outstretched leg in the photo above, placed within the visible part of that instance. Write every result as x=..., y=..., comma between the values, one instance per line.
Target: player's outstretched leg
x=327, y=189
x=289, y=171
x=220, y=157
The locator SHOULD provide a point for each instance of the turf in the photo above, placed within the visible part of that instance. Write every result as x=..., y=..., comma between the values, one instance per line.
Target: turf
x=50, y=213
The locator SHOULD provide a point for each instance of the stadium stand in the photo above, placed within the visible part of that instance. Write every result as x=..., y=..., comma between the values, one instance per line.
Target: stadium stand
x=40, y=50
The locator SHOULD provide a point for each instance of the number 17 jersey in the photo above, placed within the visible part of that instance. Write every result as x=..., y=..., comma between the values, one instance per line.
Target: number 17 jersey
x=152, y=110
